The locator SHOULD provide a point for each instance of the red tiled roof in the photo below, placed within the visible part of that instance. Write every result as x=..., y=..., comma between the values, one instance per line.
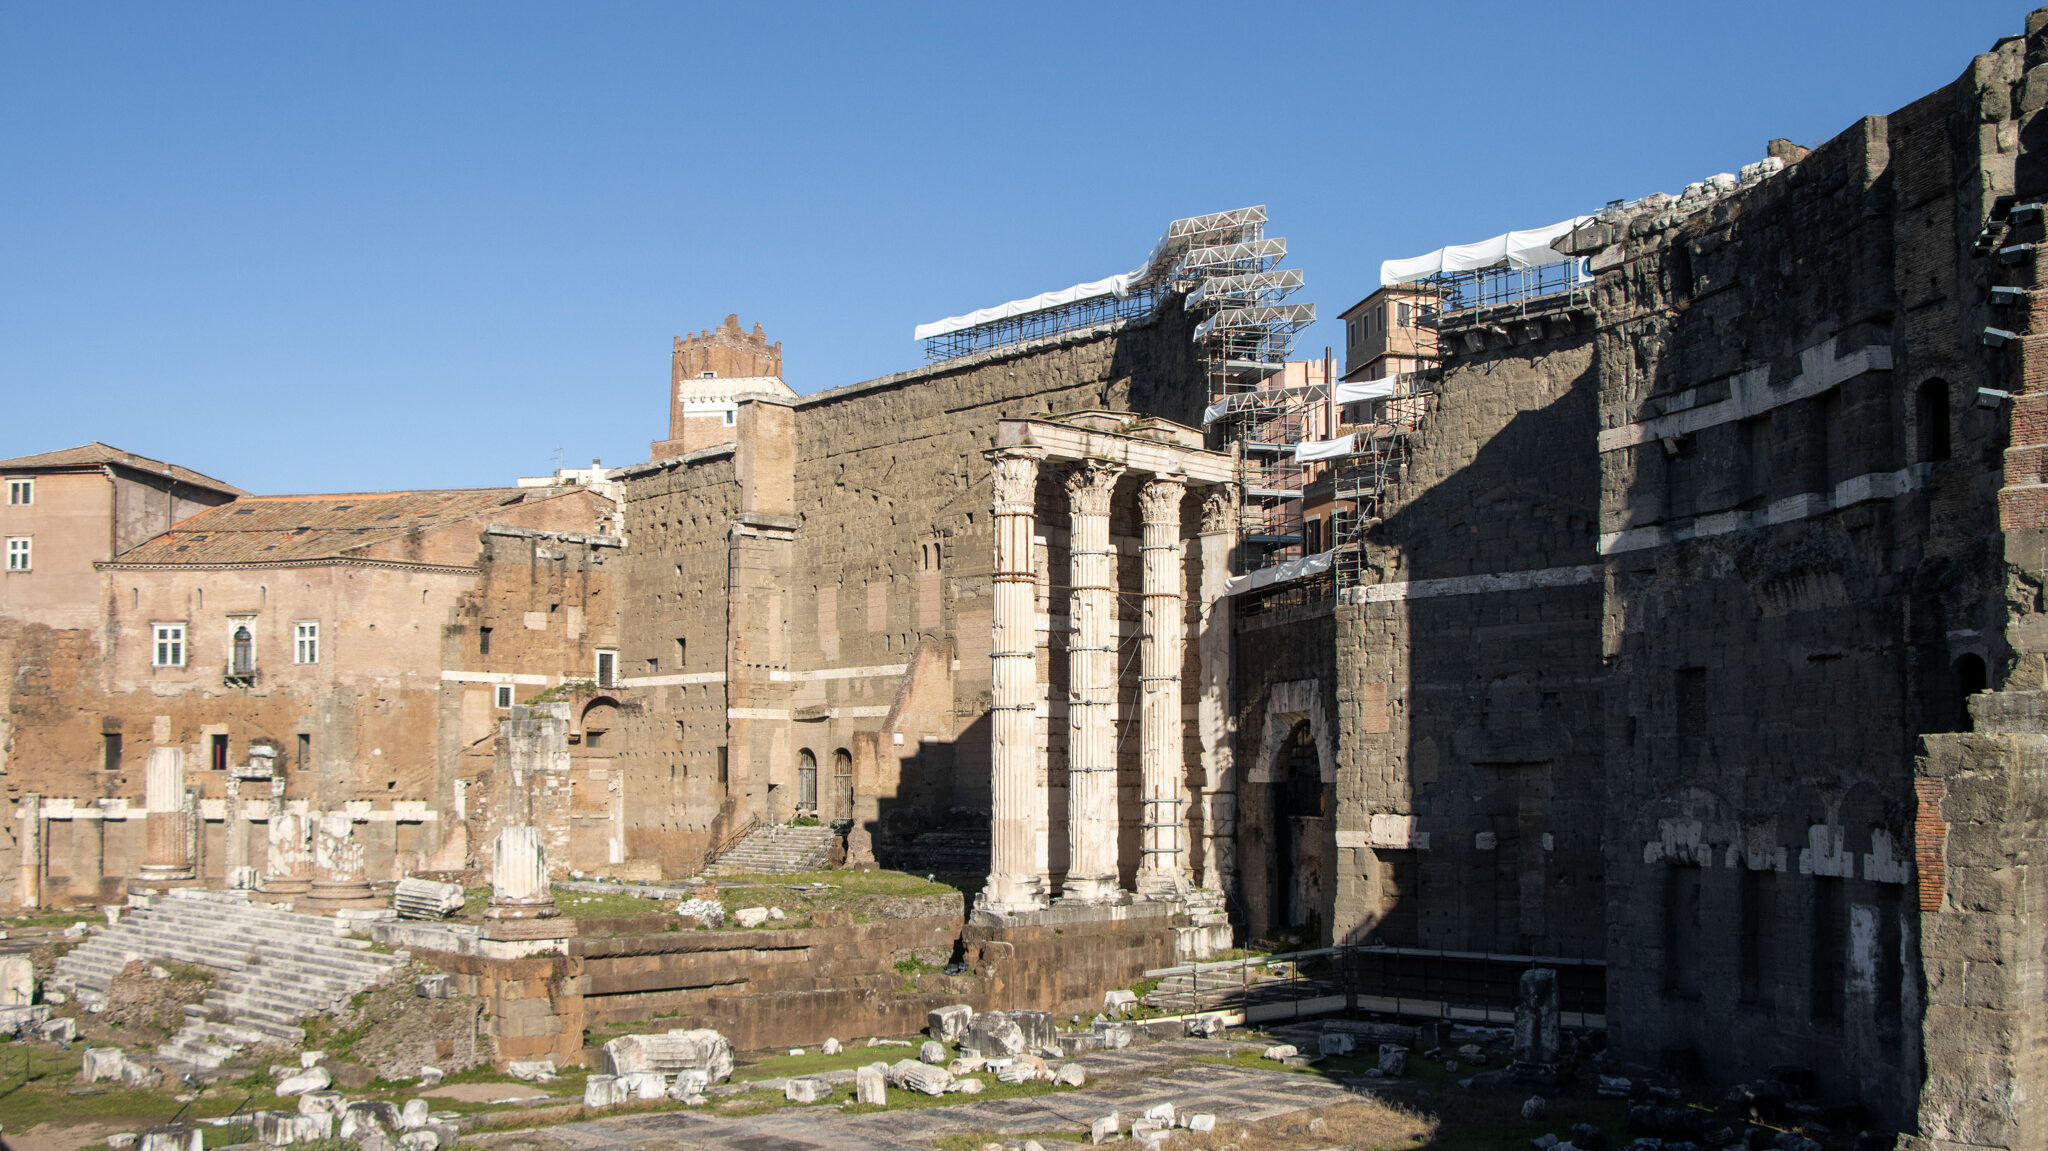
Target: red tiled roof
x=291, y=529
x=96, y=453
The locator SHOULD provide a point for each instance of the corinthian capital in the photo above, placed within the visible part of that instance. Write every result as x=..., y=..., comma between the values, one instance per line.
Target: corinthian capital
x=1016, y=479
x=1159, y=498
x=1089, y=485
x=1219, y=509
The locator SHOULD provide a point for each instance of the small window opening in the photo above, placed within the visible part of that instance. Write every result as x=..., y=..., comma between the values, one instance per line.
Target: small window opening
x=305, y=755
x=483, y=641
x=504, y=696
x=110, y=751
x=219, y=751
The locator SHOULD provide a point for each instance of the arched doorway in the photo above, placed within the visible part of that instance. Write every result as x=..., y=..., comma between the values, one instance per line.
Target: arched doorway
x=842, y=784
x=1296, y=803
x=807, y=783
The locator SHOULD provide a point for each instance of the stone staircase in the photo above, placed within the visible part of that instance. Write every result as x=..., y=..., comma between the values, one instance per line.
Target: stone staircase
x=276, y=968
x=776, y=849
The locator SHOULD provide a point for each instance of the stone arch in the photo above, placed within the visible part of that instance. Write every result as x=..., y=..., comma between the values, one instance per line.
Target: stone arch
x=1287, y=705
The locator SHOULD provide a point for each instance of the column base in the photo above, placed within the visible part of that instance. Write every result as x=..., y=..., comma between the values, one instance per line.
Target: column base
x=535, y=910
x=1011, y=895
x=1093, y=892
x=1162, y=886
x=336, y=896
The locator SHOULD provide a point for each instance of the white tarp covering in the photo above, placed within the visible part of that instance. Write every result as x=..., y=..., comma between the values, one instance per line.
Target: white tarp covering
x=1214, y=412
x=1363, y=390
x=1180, y=234
x=1527, y=249
x=1325, y=449
x=1279, y=573
x=1113, y=286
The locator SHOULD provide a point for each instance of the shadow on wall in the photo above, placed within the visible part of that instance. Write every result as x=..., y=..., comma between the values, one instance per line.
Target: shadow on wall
x=1502, y=685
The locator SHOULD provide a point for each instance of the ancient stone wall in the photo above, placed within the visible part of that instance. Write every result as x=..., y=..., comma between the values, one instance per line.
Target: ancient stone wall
x=672, y=747
x=1467, y=805
x=890, y=499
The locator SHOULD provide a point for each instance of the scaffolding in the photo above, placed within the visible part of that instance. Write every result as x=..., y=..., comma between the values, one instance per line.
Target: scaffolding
x=1225, y=271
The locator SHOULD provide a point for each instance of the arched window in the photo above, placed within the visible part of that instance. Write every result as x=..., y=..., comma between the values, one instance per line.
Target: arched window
x=806, y=782
x=1935, y=438
x=244, y=652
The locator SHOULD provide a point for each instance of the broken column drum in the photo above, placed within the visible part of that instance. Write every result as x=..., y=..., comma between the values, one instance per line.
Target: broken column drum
x=1018, y=806
x=288, y=862
x=519, y=876
x=1162, y=860
x=1092, y=694
x=166, y=848
x=339, y=871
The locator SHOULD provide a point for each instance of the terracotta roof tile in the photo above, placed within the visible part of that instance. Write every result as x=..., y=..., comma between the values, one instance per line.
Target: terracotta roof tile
x=287, y=529
x=96, y=453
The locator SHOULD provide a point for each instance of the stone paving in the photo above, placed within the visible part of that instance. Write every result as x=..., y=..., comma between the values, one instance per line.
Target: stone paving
x=1165, y=1073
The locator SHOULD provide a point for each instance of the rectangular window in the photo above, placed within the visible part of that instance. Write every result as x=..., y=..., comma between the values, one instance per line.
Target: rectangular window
x=653, y=665
x=17, y=553
x=483, y=641
x=1829, y=952
x=682, y=651
x=1404, y=314
x=504, y=696
x=593, y=739
x=607, y=668
x=110, y=751
x=21, y=492
x=1754, y=932
x=306, y=641
x=217, y=748
x=1682, y=932
x=169, y=646
x=305, y=751
x=1692, y=708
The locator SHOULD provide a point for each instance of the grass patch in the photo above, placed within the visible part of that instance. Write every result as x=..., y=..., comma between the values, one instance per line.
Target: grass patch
x=47, y=919
x=845, y=882
x=811, y=1062
x=609, y=905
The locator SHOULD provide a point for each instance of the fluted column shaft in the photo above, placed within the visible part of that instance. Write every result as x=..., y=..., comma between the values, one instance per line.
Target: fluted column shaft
x=166, y=853
x=1017, y=804
x=1092, y=824
x=1219, y=537
x=1162, y=860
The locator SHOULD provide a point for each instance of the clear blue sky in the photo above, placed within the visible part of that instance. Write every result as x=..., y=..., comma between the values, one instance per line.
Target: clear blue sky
x=308, y=247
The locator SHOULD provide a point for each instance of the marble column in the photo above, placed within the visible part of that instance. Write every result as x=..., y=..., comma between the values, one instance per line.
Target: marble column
x=1218, y=540
x=1092, y=823
x=340, y=871
x=288, y=860
x=167, y=846
x=30, y=812
x=1162, y=859
x=519, y=876
x=1018, y=805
